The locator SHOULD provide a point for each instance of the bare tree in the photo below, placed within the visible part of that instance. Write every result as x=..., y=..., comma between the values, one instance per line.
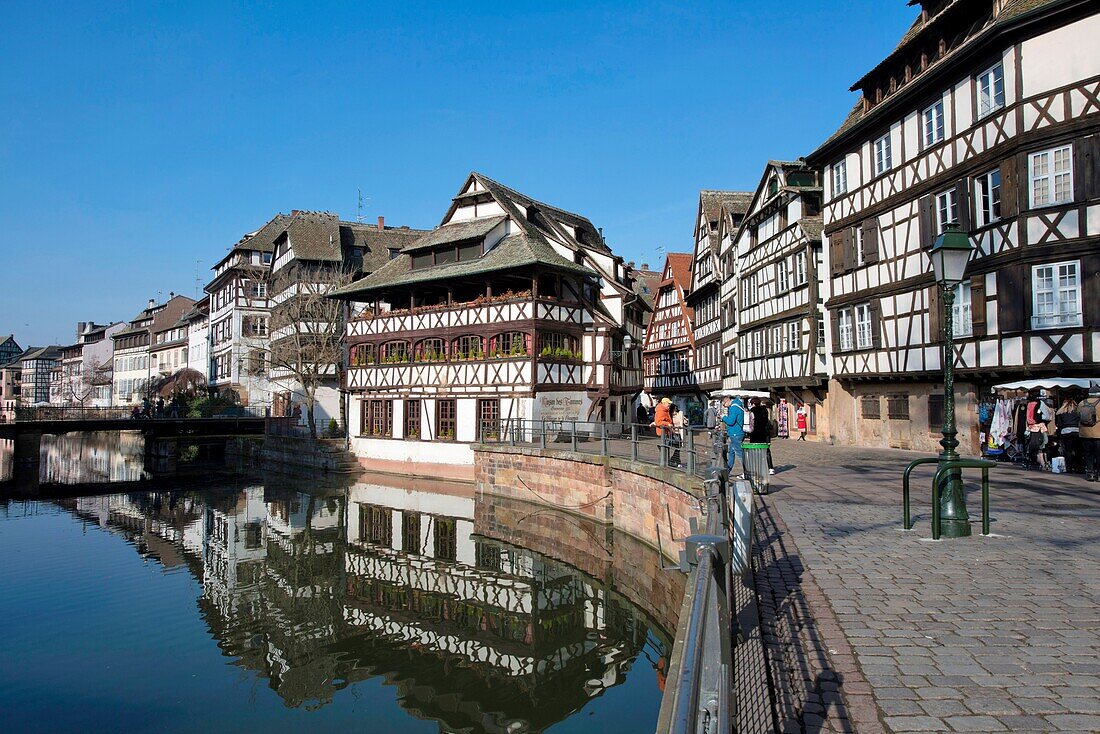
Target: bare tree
x=306, y=332
x=79, y=385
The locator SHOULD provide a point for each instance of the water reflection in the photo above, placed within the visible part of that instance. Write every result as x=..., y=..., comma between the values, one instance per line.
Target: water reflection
x=75, y=458
x=438, y=593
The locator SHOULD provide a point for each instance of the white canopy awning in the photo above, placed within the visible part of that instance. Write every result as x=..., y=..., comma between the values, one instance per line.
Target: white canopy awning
x=740, y=393
x=1046, y=384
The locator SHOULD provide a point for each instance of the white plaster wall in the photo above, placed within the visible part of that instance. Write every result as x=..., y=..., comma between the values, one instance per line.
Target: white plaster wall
x=423, y=452
x=1063, y=56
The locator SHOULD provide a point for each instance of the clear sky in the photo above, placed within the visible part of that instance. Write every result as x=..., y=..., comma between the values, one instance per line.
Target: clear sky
x=139, y=140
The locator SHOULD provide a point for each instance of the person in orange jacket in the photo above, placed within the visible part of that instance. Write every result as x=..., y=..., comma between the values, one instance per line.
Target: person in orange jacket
x=662, y=418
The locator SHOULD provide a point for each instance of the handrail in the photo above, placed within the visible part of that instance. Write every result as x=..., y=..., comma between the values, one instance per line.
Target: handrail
x=699, y=690
x=952, y=465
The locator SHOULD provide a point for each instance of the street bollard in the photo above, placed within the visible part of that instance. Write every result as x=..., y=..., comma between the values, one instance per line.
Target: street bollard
x=633, y=441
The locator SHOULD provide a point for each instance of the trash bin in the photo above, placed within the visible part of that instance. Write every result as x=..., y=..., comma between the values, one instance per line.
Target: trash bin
x=756, y=465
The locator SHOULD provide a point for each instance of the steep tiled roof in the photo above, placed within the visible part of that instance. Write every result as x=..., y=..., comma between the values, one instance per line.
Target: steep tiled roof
x=514, y=251
x=812, y=226
x=680, y=265
x=315, y=236
x=376, y=243
x=1010, y=10
x=456, y=232
x=264, y=238
x=713, y=202
x=50, y=352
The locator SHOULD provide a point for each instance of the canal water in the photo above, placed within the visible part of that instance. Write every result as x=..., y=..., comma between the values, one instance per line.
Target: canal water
x=387, y=605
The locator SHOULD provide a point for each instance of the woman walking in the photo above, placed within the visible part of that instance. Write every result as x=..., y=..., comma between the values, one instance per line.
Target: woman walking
x=676, y=439
x=800, y=421
x=1067, y=423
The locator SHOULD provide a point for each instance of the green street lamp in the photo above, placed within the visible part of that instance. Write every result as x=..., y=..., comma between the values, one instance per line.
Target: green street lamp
x=950, y=254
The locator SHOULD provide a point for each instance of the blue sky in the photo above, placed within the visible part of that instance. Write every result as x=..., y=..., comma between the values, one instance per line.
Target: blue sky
x=139, y=140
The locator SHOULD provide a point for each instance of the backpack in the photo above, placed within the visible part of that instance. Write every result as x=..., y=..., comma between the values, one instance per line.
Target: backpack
x=1087, y=411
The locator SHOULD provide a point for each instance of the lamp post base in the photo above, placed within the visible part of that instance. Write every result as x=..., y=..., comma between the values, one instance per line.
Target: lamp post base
x=954, y=519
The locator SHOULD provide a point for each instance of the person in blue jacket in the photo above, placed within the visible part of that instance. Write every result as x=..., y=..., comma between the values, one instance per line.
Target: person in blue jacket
x=734, y=419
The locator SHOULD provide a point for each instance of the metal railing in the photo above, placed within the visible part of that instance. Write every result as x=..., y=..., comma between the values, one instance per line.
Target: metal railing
x=684, y=450
x=937, y=480
x=77, y=413
x=698, y=696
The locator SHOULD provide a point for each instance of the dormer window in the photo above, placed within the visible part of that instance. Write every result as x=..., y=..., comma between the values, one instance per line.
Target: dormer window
x=447, y=254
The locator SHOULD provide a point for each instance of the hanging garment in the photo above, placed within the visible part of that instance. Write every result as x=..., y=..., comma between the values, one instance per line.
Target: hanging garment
x=781, y=417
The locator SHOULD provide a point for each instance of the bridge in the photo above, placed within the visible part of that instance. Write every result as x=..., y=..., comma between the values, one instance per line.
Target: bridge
x=163, y=433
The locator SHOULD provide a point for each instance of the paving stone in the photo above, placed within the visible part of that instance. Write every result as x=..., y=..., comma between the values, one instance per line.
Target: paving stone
x=974, y=723
x=914, y=723
x=1075, y=722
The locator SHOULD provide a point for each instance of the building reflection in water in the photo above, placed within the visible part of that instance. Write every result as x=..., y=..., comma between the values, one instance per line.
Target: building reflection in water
x=316, y=591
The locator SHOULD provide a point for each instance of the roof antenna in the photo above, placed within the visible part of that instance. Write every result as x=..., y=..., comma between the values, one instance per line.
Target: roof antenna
x=198, y=283
x=359, y=212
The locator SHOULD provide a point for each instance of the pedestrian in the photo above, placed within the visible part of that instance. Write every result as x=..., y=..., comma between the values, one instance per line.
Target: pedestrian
x=662, y=421
x=1067, y=423
x=160, y=407
x=642, y=414
x=676, y=439
x=800, y=421
x=1089, y=434
x=762, y=428
x=734, y=418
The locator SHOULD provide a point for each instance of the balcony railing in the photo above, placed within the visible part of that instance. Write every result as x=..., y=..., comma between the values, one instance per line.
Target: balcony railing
x=479, y=312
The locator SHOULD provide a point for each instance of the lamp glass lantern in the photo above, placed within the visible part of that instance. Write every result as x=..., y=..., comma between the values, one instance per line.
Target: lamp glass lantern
x=950, y=254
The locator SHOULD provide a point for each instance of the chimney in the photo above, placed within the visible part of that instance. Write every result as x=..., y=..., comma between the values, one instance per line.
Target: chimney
x=171, y=295
x=80, y=328
x=381, y=222
x=152, y=303
x=645, y=266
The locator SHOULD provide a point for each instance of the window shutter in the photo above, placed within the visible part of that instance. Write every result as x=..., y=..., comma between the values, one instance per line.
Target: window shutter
x=977, y=304
x=927, y=222
x=935, y=314
x=1010, y=186
x=870, y=241
x=835, y=318
x=876, y=324
x=962, y=203
x=1086, y=161
x=836, y=256
x=850, y=257
x=1090, y=290
x=1012, y=299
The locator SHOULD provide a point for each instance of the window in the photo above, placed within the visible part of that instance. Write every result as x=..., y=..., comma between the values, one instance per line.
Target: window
x=445, y=419
x=758, y=343
x=488, y=419
x=870, y=407
x=820, y=335
x=863, y=326
x=510, y=344
x=258, y=289
x=991, y=90
x=932, y=124
x=445, y=537
x=961, y=313
x=1051, y=176
x=1056, y=290
x=410, y=532
x=782, y=278
x=362, y=354
x=468, y=346
x=882, y=154
x=554, y=344
x=897, y=407
x=267, y=258
x=375, y=525
x=844, y=327
x=794, y=336
x=989, y=197
x=395, y=351
x=840, y=178
x=257, y=362
x=800, y=269
x=947, y=210
x=412, y=420
x=380, y=423
x=421, y=260
x=430, y=350
x=255, y=326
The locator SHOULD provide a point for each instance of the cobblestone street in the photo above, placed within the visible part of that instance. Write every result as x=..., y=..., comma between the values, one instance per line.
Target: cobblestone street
x=878, y=629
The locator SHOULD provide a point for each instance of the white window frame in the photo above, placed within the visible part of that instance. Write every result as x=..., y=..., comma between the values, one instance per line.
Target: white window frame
x=962, y=313
x=782, y=278
x=947, y=209
x=990, y=98
x=840, y=177
x=800, y=268
x=988, y=196
x=862, y=317
x=794, y=336
x=845, y=330
x=883, y=158
x=932, y=124
x=1046, y=183
x=1057, y=305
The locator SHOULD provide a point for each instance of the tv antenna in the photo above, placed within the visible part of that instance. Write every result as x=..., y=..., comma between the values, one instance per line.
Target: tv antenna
x=198, y=282
x=359, y=210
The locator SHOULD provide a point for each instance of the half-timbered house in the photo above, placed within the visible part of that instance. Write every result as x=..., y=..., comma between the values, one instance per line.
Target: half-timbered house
x=781, y=319
x=668, y=354
x=703, y=294
x=316, y=253
x=509, y=309
x=985, y=115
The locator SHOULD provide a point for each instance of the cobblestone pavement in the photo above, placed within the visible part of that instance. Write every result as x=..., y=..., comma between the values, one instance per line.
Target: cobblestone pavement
x=873, y=628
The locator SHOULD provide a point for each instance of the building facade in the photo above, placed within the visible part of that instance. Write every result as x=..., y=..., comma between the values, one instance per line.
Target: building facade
x=87, y=366
x=510, y=309
x=39, y=369
x=781, y=290
x=986, y=116
x=133, y=361
x=703, y=294
x=198, y=337
x=668, y=353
